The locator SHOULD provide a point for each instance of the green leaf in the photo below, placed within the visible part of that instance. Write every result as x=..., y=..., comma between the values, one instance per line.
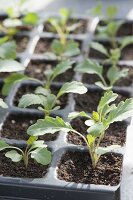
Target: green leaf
x=3, y=145
x=11, y=81
x=12, y=23
x=97, y=10
x=91, y=140
x=71, y=49
x=49, y=125
x=61, y=68
x=89, y=122
x=101, y=85
x=72, y=87
x=31, y=140
x=49, y=102
x=3, y=104
x=102, y=150
x=42, y=156
x=112, y=28
x=14, y=156
x=38, y=144
x=123, y=111
x=126, y=41
x=114, y=74
x=96, y=129
x=4, y=39
x=30, y=19
x=90, y=67
x=99, y=47
x=111, y=11
x=74, y=115
x=8, y=50
x=106, y=99
x=30, y=99
x=65, y=15
x=10, y=66
x=57, y=47
x=42, y=91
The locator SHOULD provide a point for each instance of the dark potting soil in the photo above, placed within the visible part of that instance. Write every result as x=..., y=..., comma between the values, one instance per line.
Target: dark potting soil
x=12, y=169
x=126, y=81
x=15, y=127
x=44, y=45
x=79, y=30
x=88, y=102
x=1, y=95
x=27, y=89
x=77, y=167
x=36, y=69
x=127, y=53
x=21, y=42
x=116, y=134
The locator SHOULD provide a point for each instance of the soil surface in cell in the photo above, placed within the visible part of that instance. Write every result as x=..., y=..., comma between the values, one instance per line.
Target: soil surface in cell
x=116, y=133
x=82, y=27
x=15, y=127
x=37, y=68
x=12, y=169
x=44, y=45
x=126, y=81
x=88, y=102
x=21, y=42
x=28, y=89
x=77, y=167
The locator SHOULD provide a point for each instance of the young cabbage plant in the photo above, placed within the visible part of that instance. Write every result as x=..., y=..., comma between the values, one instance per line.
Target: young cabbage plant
x=60, y=25
x=47, y=101
x=35, y=149
x=93, y=67
x=98, y=122
x=113, y=55
x=63, y=52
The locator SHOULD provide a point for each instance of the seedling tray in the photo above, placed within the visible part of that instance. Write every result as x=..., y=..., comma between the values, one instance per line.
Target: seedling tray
x=50, y=187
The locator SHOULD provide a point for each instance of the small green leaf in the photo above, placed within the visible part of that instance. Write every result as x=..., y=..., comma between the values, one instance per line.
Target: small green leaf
x=14, y=156
x=74, y=115
x=90, y=139
x=49, y=125
x=95, y=116
x=97, y=10
x=106, y=99
x=3, y=145
x=31, y=140
x=72, y=87
x=42, y=91
x=102, y=150
x=57, y=47
x=89, y=122
x=30, y=19
x=71, y=49
x=96, y=129
x=10, y=66
x=3, y=104
x=90, y=67
x=121, y=112
x=99, y=47
x=111, y=11
x=114, y=74
x=30, y=99
x=42, y=156
x=65, y=15
x=8, y=51
x=11, y=81
x=38, y=144
x=101, y=85
x=126, y=41
x=12, y=23
x=50, y=102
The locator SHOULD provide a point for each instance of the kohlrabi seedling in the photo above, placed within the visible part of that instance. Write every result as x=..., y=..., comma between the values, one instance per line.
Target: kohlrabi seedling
x=47, y=101
x=112, y=55
x=60, y=24
x=100, y=120
x=93, y=67
x=35, y=149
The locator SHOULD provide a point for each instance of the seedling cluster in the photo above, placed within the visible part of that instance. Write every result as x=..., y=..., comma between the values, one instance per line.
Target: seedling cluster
x=64, y=49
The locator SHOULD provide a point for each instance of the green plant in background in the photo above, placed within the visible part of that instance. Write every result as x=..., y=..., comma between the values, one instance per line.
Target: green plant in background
x=35, y=149
x=47, y=101
x=98, y=122
x=93, y=67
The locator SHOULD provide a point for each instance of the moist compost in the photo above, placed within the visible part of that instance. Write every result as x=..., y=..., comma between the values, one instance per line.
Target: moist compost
x=79, y=30
x=13, y=169
x=15, y=127
x=115, y=135
x=36, y=69
x=27, y=89
x=21, y=42
x=77, y=167
x=88, y=102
